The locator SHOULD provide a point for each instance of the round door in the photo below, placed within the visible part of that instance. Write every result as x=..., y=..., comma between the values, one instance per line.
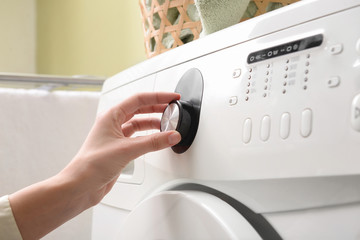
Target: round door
x=186, y=215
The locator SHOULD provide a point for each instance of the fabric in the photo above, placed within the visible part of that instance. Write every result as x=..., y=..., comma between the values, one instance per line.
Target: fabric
x=8, y=227
x=252, y=9
x=217, y=15
x=40, y=133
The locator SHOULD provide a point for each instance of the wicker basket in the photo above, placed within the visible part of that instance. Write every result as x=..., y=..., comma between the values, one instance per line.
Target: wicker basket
x=168, y=24
x=158, y=25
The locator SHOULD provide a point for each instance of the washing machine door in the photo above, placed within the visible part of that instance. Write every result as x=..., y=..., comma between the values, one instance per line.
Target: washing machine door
x=186, y=215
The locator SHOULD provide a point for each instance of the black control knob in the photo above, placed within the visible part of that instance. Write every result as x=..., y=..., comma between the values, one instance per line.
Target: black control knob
x=172, y=117
x=177, y=116
x=183, y=115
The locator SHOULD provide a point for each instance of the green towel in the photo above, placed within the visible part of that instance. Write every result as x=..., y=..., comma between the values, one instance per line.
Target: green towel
x=219, y=14
x=251, y=9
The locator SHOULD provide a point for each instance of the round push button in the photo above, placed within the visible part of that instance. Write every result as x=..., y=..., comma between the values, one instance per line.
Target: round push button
x=335, y=49
x=333, y=82
x=236, y=73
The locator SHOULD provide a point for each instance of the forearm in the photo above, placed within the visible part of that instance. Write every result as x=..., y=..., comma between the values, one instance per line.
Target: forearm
x=42, y=207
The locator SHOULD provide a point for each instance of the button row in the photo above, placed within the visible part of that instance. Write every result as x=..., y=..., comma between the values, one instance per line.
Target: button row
x=285, y=121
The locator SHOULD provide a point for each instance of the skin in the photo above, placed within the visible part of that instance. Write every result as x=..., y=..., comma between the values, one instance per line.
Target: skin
x=42, y=207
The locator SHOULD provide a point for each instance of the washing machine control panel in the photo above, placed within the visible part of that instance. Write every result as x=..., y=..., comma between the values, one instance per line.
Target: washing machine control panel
x=274, y=106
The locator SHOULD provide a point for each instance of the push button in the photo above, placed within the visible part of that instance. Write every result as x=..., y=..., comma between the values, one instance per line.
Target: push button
x=233, y=100
x=236, y=73
x=247, y=128
x=335, y=49
x=306, y=123
x=285, y=125
x=265, y=128
x=355, y=113
x=333, y=81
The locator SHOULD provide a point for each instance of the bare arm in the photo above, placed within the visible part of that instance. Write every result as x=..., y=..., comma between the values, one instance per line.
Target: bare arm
x=42, y=207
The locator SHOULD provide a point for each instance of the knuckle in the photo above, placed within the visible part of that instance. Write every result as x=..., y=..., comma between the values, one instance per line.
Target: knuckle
x=140, y=99
x=135, y=126
x=155, y=143
x=155, y=123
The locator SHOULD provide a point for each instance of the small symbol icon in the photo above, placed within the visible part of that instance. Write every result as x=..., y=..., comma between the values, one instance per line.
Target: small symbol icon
x=289, y=48
x=295, y=47
x=275, y=52
x=282, y=50
x=269, y=53
x=258, y=57
x=357, y=113
x=252, y=58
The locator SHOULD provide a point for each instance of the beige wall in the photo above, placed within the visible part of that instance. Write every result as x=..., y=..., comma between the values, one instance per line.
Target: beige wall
x=88, y=37
x=18, y=34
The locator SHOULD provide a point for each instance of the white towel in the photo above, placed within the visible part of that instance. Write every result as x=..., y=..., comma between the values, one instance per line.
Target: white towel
x=40, y=132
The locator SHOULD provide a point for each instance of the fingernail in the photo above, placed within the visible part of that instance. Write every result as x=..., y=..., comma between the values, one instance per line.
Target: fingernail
x=174, y=138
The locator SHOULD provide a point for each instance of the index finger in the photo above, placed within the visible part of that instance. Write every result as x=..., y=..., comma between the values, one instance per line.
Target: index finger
x=130, y=106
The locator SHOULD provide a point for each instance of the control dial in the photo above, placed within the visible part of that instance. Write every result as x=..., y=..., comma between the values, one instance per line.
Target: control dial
x=183, y=115
x=171, y=117
x=177, y=116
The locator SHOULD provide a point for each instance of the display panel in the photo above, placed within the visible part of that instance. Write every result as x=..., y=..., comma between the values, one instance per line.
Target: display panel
x=287, y=48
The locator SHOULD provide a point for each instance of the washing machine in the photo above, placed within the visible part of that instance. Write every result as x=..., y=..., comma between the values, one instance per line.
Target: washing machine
x=270, y=122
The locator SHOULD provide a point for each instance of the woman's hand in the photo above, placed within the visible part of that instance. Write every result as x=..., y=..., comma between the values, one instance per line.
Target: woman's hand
x=109, y=148
x=42, y=207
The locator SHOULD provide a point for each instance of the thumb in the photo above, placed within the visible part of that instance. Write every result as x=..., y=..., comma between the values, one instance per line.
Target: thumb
x=157, y=141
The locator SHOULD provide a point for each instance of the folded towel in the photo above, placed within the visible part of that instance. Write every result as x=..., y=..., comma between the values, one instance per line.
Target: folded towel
x=219, y=14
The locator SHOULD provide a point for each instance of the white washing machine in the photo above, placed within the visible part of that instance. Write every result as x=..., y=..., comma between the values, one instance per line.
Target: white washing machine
x=271, y=110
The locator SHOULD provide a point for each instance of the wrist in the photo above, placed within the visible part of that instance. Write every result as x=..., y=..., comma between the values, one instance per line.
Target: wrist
x=80, y=179
x=42, y=207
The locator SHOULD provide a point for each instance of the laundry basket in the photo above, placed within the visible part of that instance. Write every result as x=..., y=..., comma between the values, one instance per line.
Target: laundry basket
x=168, y=24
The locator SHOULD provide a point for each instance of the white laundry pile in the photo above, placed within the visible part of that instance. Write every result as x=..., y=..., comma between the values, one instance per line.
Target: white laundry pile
x=40, y=132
